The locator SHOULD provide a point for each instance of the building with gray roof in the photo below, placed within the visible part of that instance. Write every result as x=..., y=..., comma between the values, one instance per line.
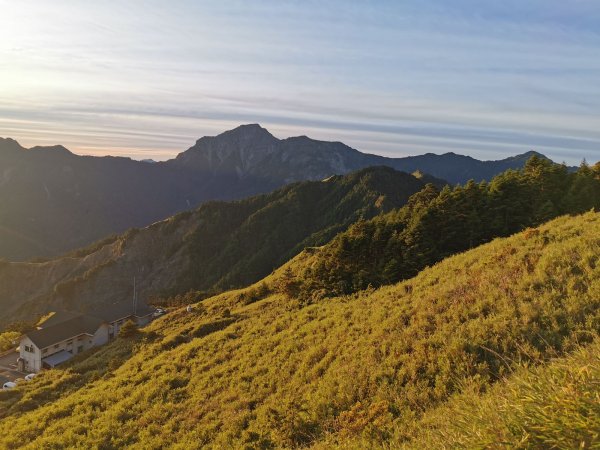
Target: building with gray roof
x=66, y=333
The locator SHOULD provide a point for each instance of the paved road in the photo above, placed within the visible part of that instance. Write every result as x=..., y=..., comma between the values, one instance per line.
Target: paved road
x=6, y=376
x=8, y=368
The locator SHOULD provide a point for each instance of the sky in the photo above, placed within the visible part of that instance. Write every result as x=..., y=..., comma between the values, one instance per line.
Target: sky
x=145, y=79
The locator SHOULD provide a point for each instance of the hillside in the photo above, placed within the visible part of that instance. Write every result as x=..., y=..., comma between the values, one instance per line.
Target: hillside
x=356, y=371
x=216, y=247
x=53, y=201
x=226, y=245
x=435, y=224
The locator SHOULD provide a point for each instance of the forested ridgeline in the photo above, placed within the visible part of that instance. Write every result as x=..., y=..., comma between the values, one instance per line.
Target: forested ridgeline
x=435, y=224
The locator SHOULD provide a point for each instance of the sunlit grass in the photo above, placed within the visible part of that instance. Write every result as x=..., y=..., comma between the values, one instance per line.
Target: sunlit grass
x=360, y=368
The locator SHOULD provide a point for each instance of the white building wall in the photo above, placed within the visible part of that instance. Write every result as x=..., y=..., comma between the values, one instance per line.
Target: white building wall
x=101, y=336
x=82, y=343
x=33, y=360
x=67, y=345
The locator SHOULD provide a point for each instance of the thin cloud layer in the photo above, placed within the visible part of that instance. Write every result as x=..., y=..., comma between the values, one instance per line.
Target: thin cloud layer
x=144, y=79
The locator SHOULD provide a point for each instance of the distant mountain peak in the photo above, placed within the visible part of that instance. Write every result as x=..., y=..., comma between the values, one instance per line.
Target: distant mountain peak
x=233, y=151
x=249, y=126
x=9, y=144
x=527, y=155
x=55, y=149
x=252, y=131
x=531, y=153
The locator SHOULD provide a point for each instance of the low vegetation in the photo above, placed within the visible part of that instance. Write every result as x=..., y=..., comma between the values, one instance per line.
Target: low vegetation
x=10, y=336
x=553, y=406
x=128, y=330
x=374, y=368
x=8, y=340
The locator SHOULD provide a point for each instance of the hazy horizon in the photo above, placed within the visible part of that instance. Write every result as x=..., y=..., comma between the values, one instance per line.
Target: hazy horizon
x=145, y=80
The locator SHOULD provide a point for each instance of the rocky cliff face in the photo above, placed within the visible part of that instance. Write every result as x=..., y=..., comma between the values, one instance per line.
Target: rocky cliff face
x=237, y=151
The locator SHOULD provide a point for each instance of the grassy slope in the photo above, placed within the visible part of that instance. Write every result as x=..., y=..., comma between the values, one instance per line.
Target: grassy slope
x=359, y=369
x=553, y=406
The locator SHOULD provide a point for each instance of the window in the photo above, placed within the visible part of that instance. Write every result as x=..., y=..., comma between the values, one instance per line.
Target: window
x=80, y=349
x=45, y=351
x=80, y=338
x=55, y=345
x=70, y=342
x=29, y=349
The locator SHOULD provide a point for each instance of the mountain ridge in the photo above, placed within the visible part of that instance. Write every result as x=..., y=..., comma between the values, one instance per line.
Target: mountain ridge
x=53, y=201
x=368, y=237
x=218, y=246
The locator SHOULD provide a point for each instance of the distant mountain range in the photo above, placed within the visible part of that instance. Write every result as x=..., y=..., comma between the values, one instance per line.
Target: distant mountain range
x=52, y=201
x=219, y=246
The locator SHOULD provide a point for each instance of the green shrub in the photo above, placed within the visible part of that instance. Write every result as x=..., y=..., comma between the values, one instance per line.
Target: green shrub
x=8, y=340
x=129, y=329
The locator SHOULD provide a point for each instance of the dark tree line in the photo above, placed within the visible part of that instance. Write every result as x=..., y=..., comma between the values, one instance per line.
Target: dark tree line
x=435, y=224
